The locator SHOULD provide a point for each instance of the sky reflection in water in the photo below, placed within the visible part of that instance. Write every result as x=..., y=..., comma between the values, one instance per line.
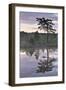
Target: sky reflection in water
x=33, y=62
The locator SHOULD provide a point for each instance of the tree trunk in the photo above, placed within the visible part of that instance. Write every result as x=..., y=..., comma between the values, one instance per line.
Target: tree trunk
x=47, y=47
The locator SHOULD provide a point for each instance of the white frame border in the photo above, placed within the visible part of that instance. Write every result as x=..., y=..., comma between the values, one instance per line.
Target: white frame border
x=37, y=79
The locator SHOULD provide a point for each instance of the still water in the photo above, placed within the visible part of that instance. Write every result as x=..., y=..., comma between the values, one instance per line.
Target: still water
x=34, y=62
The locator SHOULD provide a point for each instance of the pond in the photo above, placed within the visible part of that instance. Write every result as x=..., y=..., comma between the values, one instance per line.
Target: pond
x=35, y=63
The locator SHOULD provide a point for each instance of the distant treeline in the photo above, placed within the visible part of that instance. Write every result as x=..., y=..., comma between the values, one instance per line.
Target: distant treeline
x=37, y=40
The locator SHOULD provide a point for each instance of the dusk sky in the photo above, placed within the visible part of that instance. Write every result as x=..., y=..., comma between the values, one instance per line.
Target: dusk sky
x=28, y=23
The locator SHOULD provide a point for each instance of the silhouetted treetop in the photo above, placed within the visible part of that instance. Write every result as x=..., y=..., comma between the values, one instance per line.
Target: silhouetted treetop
x=46, y=24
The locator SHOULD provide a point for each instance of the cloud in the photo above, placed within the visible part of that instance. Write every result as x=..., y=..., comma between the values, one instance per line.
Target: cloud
x=30, y=17
x=28, y=27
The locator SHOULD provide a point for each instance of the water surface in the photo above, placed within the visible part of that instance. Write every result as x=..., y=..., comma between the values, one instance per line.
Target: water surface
x=34, y=63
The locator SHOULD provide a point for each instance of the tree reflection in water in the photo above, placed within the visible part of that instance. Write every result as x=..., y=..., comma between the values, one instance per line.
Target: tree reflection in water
x=43, y=64
x=31, y=51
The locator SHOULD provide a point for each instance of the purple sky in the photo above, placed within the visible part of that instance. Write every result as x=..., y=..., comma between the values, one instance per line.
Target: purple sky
x=28, y=21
